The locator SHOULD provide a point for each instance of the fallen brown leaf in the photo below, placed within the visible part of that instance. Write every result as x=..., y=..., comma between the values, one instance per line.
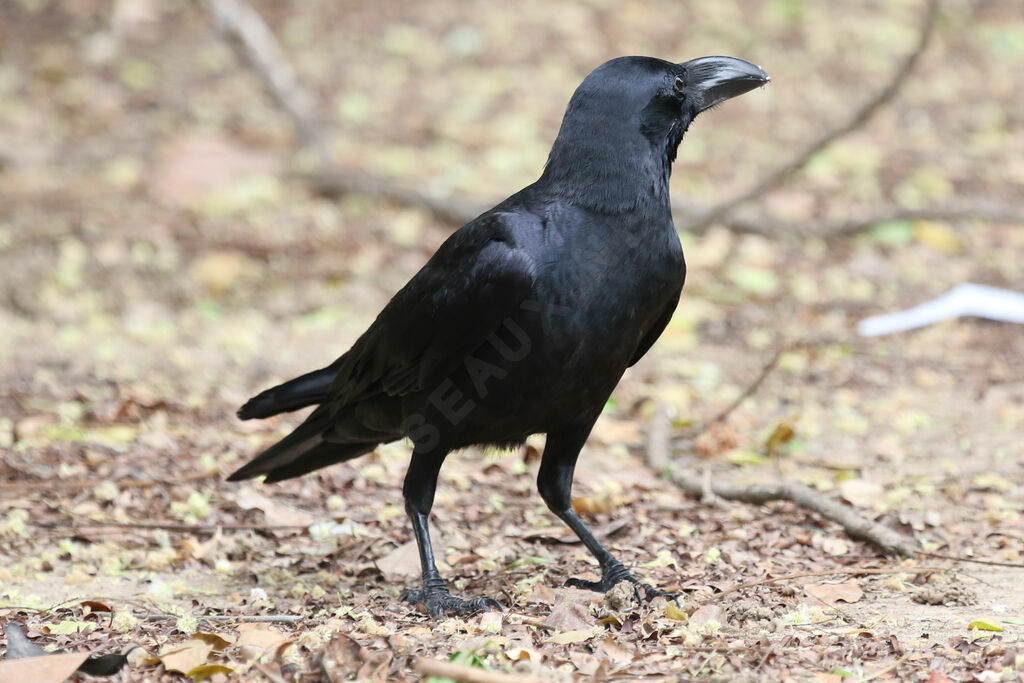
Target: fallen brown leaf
x=830, y=593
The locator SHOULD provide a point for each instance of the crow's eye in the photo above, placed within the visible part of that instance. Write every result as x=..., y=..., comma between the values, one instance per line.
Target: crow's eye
x=679, y=84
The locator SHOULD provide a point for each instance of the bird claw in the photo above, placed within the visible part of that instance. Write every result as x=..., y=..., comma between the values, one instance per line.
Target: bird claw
x=438, y=602
x=615, y=574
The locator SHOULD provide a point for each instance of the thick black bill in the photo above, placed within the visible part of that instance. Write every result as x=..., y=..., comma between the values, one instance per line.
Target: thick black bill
x=710, y=80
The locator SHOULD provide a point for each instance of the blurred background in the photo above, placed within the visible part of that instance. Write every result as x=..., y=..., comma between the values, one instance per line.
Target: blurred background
x=160, y=236
x=175, y=235
x=166, y=247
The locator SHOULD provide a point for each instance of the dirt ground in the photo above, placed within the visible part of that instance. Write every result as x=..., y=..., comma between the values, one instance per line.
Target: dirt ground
x=161, y=260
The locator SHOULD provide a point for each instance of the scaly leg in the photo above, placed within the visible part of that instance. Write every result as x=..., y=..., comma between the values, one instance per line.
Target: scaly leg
x=420, y=484
x=554, y=481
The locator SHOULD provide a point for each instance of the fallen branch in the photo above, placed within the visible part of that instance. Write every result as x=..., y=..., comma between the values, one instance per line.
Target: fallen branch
x=778, y=175
x=468, y=674
x=856, y=526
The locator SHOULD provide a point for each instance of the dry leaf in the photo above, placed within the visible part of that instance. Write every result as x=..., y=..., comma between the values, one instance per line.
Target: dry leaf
x=584, y=663
x=860, y=493
x=216, y=640
x=827, y=678
x=205, y=671
x=185, y=657
x=568, y=615
x=830, y=593
x=403, y=563
x=567, y=637
x=707, y=614
x=675, y=612
x=260, y=638
x=277, y=514
x=615, y=652
x=835, y=546
x=46, y=669
x=520, y=652
x=340, y=657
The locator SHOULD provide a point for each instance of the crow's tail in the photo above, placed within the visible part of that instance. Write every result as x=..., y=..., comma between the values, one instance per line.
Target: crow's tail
x=307, y=390
x=302, y=451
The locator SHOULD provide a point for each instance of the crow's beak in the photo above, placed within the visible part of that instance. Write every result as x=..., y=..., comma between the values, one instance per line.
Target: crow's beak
x=710, y=80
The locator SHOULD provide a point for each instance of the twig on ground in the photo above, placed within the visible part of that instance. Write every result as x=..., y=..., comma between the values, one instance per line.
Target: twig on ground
x=848, y=518
x=529, y=621
x=851, y=571
x=167, y=526
x=468, y=674
x=972, y=560
x=856, y=120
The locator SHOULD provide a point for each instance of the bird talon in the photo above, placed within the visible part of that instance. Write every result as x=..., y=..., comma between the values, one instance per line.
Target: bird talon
x=438, y=602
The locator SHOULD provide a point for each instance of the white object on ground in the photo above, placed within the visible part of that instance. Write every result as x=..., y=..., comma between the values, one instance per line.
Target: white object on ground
x=967, y=299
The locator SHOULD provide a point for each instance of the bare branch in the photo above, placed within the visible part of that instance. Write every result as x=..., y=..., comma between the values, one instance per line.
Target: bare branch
x=247, y=30
x=850, y=520
x=859, y=118
x=769, y=226
x=334, y=183
x=257, y=44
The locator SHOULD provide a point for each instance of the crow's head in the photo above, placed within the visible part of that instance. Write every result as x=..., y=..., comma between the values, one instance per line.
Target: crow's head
x=630, y=114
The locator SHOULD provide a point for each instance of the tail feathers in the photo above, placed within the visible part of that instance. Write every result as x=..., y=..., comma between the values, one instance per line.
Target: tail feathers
x=307, y=390
x=302, y=451
x=322, y=455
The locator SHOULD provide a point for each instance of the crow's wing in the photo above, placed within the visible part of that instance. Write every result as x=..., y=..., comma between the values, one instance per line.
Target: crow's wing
x=475, y=281
x=656, y=329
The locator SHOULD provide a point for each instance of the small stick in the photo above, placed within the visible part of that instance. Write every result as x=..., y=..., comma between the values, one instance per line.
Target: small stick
x=468, y=674
x=169, y=526
x=954, y=558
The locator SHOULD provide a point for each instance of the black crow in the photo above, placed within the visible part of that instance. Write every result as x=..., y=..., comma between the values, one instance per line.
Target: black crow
x=526, y=317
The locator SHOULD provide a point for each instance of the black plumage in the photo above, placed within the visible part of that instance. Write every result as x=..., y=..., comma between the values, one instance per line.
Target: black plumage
x=525, y=319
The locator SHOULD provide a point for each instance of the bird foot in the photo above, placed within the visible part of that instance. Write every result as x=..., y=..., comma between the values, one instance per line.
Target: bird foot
x=438, y=602
x=614, y=574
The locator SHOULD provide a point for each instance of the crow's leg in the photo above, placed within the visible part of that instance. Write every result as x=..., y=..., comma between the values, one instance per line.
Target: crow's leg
x=554, y=481
x=420, y=484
